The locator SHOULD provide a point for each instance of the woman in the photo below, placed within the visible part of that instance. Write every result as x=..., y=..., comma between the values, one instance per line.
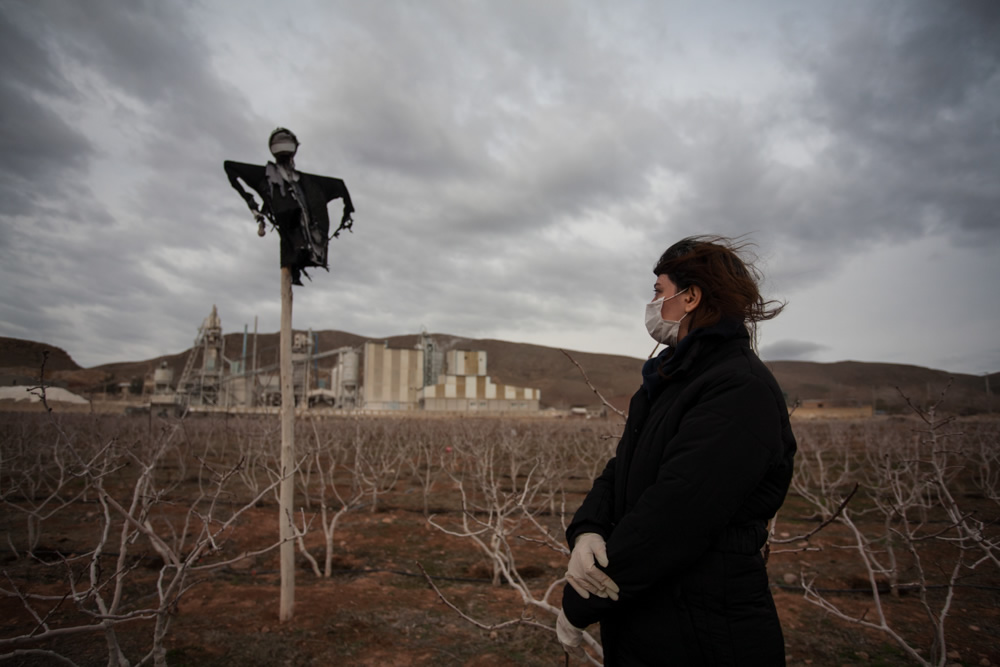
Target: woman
x=666, y=546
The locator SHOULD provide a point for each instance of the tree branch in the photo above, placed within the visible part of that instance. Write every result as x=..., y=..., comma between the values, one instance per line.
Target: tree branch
x=604, y=401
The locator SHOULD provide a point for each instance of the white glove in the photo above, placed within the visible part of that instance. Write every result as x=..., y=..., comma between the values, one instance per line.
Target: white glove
x=570, y=636
x=583, y=574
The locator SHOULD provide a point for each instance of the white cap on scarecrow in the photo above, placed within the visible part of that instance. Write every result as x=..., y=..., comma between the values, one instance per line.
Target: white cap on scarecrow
x=283, y=143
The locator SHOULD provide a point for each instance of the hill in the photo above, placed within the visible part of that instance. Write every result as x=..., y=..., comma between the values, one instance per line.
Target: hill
x=883, y=385
x=548, y=369
x=18, y=353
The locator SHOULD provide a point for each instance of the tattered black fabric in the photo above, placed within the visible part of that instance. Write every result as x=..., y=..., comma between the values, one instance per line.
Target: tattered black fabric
x=295, y=202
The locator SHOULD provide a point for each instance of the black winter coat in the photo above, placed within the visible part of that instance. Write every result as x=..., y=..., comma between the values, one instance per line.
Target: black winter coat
x=704, y=463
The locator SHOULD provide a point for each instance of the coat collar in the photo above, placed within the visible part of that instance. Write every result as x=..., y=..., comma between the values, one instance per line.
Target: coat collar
x=656, y=372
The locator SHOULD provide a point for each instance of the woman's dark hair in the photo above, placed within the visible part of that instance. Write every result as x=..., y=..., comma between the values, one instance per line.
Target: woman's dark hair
x=724, y=270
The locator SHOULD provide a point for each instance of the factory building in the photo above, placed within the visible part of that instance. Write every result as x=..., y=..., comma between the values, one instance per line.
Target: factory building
x=211, y=381
x=393, y=377
x=467, y=388
x=344, y=380
x=203, y=385
x=264, y=386
x=424, y=377
x=164, y=398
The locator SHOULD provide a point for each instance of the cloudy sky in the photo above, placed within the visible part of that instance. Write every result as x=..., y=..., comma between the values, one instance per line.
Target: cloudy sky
x=517, y=168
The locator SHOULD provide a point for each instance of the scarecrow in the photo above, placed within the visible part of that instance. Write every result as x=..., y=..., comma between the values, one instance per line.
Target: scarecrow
x=293, y=202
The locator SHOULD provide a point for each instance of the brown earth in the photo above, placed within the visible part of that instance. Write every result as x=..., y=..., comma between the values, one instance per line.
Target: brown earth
x=377, y=608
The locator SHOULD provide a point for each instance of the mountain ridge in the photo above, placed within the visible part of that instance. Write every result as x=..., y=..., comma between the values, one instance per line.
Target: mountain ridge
x=546, y=368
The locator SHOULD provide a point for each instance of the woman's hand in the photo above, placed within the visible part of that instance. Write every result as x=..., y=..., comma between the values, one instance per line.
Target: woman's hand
x=583, y=574
x=570, y=636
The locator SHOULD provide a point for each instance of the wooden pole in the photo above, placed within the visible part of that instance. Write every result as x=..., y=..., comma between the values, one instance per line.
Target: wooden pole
x=254, y=380
x=287, y=488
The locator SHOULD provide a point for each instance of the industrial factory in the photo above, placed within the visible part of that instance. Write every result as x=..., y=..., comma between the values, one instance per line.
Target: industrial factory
x=370, y=378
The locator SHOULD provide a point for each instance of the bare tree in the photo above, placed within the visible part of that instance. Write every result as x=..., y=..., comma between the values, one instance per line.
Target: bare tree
x=328, y=461
x=138, y=505
x=40, y=477
x=500, y=478
x=911, y=534
x=378, y=451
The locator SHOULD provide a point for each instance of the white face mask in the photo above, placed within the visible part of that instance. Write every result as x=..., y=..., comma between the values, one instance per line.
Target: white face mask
x=663, y=331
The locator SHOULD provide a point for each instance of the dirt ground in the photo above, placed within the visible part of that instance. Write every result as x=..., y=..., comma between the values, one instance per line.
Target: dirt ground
x=378, y=609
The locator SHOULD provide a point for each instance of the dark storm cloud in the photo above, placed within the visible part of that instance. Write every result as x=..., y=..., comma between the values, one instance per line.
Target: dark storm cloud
x=24, y=62
x=895, y=110
x=39, y=147
x=146, y=58
x=168, y=122
x=906, y=65
x=908, y=92
x=490, y=122
x=514, y=165
x=484, y=152
x=791, y=350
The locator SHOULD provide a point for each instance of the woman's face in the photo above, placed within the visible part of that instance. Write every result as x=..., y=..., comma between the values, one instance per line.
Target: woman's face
x=672, y=309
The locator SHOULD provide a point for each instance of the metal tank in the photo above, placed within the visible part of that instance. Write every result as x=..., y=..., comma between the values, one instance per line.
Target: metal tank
x=351, y=361
x=163, y=377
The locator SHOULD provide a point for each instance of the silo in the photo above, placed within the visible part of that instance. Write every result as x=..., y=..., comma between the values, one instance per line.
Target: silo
x=163, y=377
x=344, y=378
x=163, y=400
x=351, y=360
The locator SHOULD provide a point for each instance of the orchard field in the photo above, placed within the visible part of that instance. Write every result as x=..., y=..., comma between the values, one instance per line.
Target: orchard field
x=431, y=541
